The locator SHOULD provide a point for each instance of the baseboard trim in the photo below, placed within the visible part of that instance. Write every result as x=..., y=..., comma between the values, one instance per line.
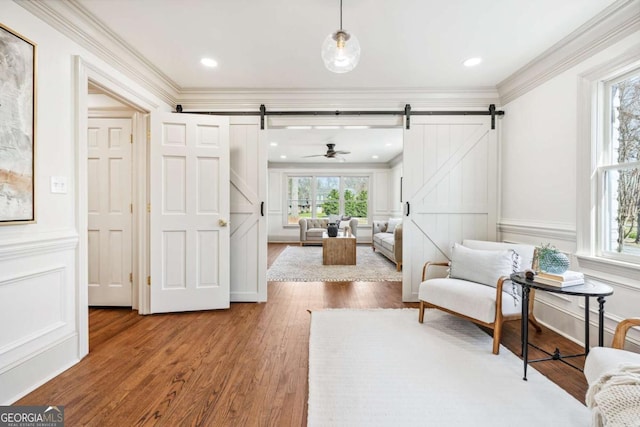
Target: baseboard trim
x=24, y=376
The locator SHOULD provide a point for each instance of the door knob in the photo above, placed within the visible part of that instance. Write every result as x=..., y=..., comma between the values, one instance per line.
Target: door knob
x=222, y=223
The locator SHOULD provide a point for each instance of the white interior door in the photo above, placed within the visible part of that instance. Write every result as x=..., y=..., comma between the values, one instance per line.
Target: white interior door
x=248, y=151
x=109, y=223
x=189, y=233
x=450, y=183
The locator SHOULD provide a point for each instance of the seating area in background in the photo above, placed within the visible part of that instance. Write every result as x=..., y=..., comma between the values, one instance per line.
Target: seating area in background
x=312, y=229
x=477, y=287
x=613, y=375
x=386, y=238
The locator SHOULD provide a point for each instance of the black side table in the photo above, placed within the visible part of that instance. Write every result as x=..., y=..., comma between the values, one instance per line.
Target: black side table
x=586, y=290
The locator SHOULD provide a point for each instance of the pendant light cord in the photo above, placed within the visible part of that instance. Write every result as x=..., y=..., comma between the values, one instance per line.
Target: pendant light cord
x=340, y=15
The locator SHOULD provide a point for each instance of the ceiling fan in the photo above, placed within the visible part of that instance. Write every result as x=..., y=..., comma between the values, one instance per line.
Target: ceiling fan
x=331, y=153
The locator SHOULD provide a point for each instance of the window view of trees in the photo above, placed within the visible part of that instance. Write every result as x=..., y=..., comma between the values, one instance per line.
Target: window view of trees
x=325, y=196
x=356, y=197
x=622, y=177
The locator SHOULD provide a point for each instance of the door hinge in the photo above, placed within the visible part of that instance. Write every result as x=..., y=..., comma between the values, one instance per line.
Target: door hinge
x=131, y=207
x=149, y=280
x=131, y=138
x=149, y=207
x=148, y=135
x=130, y=277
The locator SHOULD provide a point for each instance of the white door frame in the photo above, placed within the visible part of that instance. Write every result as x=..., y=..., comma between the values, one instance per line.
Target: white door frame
x=85, y=72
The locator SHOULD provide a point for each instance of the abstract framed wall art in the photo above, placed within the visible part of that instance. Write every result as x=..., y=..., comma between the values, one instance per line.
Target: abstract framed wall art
x=17, y=128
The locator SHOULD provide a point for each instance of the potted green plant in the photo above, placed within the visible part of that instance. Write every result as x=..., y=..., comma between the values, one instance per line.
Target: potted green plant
x=551, y=260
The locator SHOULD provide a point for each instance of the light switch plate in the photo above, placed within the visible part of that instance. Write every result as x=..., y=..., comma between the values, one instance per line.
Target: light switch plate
x=59, y=184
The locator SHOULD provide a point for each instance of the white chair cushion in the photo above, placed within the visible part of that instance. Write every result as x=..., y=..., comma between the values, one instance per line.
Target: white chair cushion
x=468, y=298
x=481, y=266
x=604, y=359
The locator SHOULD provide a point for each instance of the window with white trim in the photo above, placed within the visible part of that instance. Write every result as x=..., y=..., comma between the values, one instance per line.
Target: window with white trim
x=618, y=169
x=327, y=196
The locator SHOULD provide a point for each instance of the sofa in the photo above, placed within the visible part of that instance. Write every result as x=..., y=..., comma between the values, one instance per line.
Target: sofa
x=312, y=229
x=387, y=240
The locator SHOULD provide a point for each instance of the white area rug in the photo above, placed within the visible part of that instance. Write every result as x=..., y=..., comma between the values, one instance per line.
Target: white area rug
x=304, y=264
x=383, y=368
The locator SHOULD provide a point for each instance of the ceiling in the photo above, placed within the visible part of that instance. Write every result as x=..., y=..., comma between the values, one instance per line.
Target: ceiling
x=275, y=44
x=363, y=145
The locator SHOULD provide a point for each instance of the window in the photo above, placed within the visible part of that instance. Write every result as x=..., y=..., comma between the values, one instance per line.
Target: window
x=298, y=198
x=324, y=196
x=618, y=170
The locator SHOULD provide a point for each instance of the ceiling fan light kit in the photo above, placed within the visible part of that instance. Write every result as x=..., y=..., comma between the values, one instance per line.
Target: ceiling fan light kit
x=341, y=50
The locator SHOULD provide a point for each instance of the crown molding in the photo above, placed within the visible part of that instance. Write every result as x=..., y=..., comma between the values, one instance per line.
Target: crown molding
x=74, y=21
x=379, y=99
x=616, y=22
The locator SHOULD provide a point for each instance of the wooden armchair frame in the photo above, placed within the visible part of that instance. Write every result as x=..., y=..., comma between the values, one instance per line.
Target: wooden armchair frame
x=500, y=318
x=620, y=334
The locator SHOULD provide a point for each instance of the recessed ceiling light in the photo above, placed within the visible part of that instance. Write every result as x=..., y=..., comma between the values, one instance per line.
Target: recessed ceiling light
x=208, y=62
x=388, y=144
x=472, y=62
x=374, y=156
x=283, y=156
x=273, y=144
x=298, y=127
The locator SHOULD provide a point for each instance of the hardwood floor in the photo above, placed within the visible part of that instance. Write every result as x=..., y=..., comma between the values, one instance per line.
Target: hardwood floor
x=242, y=366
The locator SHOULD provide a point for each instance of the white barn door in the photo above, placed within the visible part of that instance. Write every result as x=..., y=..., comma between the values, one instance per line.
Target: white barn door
x=450, y=183
x=189, y=232
x=109, y=153
x=248, y=152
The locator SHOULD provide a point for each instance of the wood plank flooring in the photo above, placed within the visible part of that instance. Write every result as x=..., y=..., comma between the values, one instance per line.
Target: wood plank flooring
x=246, y=366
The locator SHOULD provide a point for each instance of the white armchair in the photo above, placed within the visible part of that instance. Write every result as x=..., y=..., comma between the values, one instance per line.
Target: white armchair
x=613, y=375
x=478, y=286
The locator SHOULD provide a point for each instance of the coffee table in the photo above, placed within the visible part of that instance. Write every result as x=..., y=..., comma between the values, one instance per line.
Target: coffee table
x=340, y=250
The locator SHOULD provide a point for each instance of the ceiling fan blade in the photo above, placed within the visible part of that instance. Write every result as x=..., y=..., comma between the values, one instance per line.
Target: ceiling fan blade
x=315, y=155
x=342, y=152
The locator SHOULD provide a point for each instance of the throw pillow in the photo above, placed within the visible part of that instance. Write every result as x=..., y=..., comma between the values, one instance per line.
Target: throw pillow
x=393, y=223
x=481, y=266
x=334, y=218
x=343, y=224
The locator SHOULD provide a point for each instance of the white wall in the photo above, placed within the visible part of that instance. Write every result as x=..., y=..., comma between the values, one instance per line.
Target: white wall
x=383, y=181
x=39, y=285
x=540, y=191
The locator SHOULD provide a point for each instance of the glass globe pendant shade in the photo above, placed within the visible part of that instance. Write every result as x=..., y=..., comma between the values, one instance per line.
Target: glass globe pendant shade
x=340, y=52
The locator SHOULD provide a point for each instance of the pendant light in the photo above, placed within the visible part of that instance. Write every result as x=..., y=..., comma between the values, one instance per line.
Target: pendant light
x=341, y=50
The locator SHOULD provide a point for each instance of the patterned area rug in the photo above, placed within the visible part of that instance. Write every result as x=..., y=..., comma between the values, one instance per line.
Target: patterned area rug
x=304, y=264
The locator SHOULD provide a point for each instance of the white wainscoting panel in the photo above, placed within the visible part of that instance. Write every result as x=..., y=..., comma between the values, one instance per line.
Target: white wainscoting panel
x=565, y=314
x=41, y=292
x=38, y=325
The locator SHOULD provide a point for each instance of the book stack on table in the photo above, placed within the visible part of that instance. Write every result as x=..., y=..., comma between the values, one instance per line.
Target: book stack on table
x=568, y=278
